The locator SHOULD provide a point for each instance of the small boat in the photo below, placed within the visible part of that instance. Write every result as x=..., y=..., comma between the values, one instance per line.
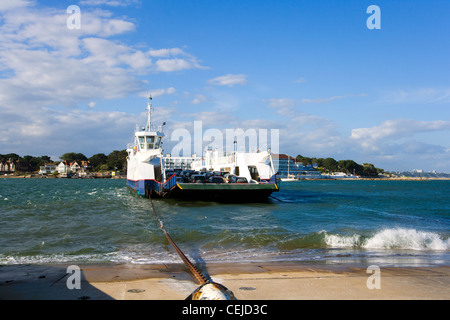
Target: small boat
x=146, y=175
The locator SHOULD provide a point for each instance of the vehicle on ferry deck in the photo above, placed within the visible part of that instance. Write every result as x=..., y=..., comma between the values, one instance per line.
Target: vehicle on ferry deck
x=198, y=178
x=216, y=179
x=236, y=179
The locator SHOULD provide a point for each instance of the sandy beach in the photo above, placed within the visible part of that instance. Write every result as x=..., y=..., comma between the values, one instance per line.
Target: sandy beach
x=248, y=281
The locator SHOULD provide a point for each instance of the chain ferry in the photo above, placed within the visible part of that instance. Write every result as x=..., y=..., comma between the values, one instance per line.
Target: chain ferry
x=250, y=176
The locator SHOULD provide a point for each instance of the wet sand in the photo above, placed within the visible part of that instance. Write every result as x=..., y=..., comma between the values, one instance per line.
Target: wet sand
x=248, y=281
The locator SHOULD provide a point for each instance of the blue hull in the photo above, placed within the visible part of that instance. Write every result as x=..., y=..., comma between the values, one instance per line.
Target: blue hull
x=137, y=186
x=144, y=187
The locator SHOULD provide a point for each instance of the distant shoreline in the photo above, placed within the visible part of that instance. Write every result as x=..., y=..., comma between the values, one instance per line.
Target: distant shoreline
x=36, y=176
x=118, y=177
x=383, y=179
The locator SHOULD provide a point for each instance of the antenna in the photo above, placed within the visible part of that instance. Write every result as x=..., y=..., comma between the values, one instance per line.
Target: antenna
x=149, y=114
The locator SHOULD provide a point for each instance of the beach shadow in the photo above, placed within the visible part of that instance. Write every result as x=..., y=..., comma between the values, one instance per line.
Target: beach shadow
x=199, y=262
x=40, y=282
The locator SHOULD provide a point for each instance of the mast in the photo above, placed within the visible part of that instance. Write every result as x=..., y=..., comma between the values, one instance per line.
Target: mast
x=149, y=114
x=289, y=160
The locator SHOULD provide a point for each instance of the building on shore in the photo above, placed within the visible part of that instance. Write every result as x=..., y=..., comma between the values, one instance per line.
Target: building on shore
x=48, y=169
x=288, y=167
x=65, y=167
x=7, y=166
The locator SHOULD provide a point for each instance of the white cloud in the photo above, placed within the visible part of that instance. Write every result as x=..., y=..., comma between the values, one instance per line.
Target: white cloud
x=420, y=95
x=169, y=65
x=112, y=3
x=286, y=106
x=199, y=98
x=300, y=80
x=322, y=100
x=61, y=66
x=173, y=59
x=229, y=80
x=49, y=131
x=49, y=72
x=396, y=136
x=164, y=53
x=13, y=4
x=113, y=54
x=398, y=129
x=391, y=145
x=281, y=103
x=158, y=92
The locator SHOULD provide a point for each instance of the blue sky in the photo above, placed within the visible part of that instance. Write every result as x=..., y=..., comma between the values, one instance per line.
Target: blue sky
x=311, y=69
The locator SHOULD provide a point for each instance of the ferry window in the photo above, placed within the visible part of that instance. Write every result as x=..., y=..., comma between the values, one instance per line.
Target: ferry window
x=150, y=142
x=142, y=142
x=157, y=143
x=254, y=173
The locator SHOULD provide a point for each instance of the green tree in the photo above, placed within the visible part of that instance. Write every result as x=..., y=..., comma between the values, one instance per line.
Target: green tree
x=102, y=167
x=72, y=156
x=369, y=170
x=350, y=166
x=329, y=164
x=97, y=160
x=12, y=156
x=304, y=160
x=117, y=160
x=34, y=163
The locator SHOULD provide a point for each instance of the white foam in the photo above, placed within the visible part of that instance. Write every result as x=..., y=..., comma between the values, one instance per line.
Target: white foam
x=337, y=241
x=397, y=238
x=401, y=238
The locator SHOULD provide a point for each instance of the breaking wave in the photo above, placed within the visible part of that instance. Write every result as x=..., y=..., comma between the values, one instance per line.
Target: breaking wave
x=398, y=238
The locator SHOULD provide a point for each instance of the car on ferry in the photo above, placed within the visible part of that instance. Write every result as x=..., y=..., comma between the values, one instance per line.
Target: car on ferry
x=186, y=174
x=198, y=178
x=216, y=179
x=236, y=179
x=228, y=177
x=208, y=174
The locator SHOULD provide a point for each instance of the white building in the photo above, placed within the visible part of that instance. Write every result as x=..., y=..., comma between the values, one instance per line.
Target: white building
x=7, y=166
x=75, y=167
x=48, y=169
x=63, y=167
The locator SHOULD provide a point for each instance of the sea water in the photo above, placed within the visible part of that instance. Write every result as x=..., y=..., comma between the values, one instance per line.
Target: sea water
x=349, y=222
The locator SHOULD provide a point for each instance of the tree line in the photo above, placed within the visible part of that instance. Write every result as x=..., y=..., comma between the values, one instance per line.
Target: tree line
x=116, y=160
x=347, y=166
x=26, y=163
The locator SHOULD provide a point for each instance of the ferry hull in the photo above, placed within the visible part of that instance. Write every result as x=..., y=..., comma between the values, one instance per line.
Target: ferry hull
x=143, y=187
x=222, y=192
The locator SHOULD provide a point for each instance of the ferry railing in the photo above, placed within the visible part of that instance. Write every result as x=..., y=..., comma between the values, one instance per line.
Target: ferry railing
x=152, y=128
x=169, y=183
